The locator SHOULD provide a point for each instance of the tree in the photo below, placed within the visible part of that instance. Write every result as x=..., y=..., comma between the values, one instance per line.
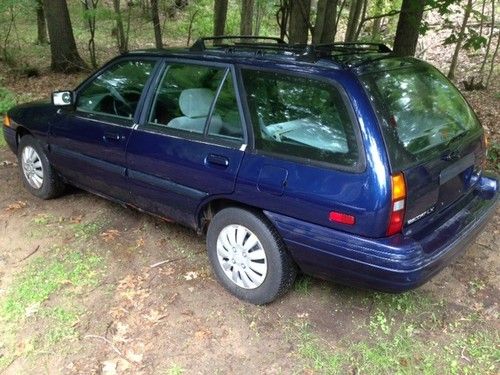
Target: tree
x=324, y=27
x=246, y=26
x=65, y=57
x=41, y=24
x=121, y=38
x=410, y=18
x=220, y=14
x=460, y=39
x=90, y=7
x=155, y=17
x=355, y=10
x=299, y=24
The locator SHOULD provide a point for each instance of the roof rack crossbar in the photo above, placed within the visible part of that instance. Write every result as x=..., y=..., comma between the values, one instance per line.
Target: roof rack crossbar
x=356, y=46
x=200, y=45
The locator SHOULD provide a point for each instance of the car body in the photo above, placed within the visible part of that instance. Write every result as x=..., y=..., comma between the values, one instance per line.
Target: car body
x=353, y=176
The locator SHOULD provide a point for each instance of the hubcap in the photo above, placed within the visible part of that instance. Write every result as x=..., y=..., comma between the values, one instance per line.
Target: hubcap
x=241, y=256
x=32, y=167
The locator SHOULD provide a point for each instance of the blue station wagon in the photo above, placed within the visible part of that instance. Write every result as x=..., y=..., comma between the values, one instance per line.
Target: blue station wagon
x=342, y=161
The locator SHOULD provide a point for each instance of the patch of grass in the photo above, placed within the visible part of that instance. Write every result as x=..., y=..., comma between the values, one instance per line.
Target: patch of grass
x=175, y=369
x=45, y=276
x=2, y=140
x=61, y=325
x=319, y=359
x=303, y=285
x=85, y=231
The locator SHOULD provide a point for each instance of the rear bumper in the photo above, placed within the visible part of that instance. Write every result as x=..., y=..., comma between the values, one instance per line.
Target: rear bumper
x=394, y=264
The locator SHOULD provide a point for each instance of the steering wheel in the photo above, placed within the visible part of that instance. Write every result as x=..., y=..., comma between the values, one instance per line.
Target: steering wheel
x=121, y=107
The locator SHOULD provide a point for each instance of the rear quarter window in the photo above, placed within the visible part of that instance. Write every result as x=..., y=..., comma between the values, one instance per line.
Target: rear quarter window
x=300, y=117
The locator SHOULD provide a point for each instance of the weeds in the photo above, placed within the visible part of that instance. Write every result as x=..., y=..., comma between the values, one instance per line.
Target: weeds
x=44, y=277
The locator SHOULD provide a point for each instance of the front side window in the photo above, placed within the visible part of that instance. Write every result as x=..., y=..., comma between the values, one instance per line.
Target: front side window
x=300, y=117
x=116, y=91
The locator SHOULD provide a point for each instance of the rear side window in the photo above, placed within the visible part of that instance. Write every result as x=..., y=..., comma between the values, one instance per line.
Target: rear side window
x=300, y=117
x=422, y=112
x=192, y=97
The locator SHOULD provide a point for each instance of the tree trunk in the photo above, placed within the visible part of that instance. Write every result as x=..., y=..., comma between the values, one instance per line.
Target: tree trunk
x=258, y=18
x=246, y=25
x=490, y=39
x=41, y=24
x=155, y=17
x=298, y=27
x=353, y=21
x=377, y=22
x=460, y=39
x=120, y=32
x=220, y=14
x=324, y=28
x=492, y=64
x=405, y=42
x=65, y=57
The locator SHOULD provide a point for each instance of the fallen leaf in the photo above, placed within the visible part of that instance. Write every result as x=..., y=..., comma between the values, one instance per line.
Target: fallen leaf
x=15, y=206
x=109, y=367
x=134, y=357
x=110, y=235
x=191, y=275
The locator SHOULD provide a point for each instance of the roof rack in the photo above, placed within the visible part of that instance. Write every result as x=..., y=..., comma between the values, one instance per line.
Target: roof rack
x=302, y=52
x=200, y=45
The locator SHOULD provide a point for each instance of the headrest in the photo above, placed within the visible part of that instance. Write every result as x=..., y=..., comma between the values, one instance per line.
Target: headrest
x=196, y=102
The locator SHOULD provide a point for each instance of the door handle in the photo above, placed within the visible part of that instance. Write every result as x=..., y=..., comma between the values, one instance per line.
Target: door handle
x=112, y=137
x=218, y=160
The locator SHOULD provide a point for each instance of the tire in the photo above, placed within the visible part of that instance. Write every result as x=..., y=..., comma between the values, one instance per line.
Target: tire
x=248, y=256
x=38, y=176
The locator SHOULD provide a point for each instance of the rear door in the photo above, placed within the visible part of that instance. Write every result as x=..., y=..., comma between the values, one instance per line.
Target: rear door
x=432, y=135
x=88, y=142
x=189, y=143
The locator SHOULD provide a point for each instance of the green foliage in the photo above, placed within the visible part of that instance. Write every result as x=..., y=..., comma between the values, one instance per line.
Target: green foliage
x=43, y=277
x=493, y=155
x=7, y=99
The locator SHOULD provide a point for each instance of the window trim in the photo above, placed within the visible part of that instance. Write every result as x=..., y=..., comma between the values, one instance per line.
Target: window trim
x=143, y=123
x=111, y=119
x=358, y=167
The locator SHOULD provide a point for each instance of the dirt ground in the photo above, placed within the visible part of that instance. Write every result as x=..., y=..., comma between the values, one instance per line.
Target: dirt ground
x=135, y=317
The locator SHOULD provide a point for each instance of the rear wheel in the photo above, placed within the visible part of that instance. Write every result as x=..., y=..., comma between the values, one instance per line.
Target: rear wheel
x=248, y=256
x=38, y=176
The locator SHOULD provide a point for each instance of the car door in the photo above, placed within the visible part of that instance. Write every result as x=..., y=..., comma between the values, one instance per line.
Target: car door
x=190, y=143
x=88, y=141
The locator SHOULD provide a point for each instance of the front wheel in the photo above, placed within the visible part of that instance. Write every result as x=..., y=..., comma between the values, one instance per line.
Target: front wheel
x=38, y=176
x=248, y=256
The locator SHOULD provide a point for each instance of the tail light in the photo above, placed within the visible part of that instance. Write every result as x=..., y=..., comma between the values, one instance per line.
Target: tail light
x=398, y=204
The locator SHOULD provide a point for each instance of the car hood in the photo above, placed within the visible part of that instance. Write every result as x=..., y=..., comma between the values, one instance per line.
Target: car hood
x=38, y=109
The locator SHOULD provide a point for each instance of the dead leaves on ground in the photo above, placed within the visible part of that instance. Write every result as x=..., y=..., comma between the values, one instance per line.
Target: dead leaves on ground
x=110, y=235
x=17, y=205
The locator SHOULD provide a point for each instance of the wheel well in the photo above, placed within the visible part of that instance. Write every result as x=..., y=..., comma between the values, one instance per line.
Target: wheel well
x=210, y=209
x=21, y=132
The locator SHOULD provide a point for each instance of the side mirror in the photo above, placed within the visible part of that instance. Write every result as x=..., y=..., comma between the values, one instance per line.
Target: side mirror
x=62, y=98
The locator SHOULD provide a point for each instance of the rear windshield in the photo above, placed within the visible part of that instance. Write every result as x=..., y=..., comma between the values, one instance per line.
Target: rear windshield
x=422, y=113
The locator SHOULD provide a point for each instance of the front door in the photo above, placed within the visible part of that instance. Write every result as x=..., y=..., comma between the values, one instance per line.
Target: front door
x=88, y=142
x=188, y=146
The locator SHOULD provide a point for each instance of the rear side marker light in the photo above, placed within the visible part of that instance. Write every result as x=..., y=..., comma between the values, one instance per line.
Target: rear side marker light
x=339, y=217
x=398, y=194
x=6, y=121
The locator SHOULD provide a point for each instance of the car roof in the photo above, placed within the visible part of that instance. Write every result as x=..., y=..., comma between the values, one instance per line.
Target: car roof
x=356, y=57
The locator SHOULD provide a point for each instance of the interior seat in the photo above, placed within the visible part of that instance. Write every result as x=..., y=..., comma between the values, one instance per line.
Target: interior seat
x=195, y=105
